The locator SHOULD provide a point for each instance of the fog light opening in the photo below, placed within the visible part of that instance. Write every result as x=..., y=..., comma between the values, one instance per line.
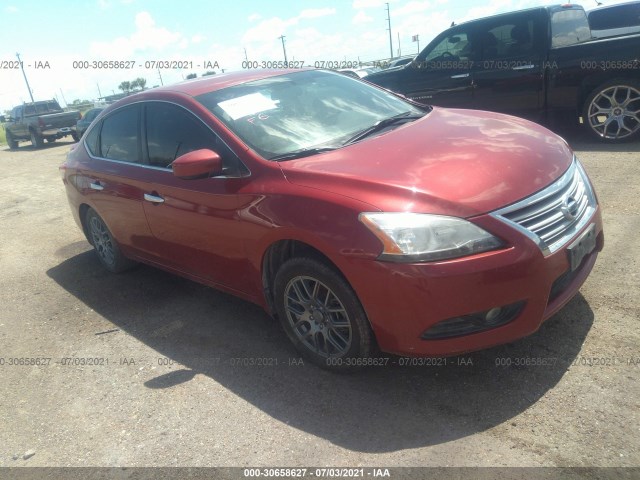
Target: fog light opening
x=473, y=323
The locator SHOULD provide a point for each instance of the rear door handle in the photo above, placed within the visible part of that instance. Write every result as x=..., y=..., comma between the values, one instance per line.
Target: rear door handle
x=462, y=75
x=524, y=67
x=96, y=186
x=153, y=198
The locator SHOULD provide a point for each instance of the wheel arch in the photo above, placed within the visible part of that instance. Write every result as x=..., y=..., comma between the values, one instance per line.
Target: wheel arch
x=277, y=253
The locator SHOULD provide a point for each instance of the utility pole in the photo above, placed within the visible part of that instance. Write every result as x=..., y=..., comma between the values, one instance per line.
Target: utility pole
x=25, y=78
x=65, y=100
x=389, y=23
x=160, y=75
x=399, y=48
x=99, y=92
x=245, y=55
x=282, y=37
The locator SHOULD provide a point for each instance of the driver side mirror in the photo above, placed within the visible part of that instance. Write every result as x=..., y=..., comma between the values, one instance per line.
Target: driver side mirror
x=197, y=164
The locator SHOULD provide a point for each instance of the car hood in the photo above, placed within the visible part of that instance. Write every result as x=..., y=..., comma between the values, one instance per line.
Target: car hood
x=450, y=162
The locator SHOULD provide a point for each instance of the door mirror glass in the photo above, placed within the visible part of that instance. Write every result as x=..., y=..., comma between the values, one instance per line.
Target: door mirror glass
x=201, y=163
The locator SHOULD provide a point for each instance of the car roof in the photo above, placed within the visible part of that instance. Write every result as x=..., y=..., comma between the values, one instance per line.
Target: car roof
x=218, y=81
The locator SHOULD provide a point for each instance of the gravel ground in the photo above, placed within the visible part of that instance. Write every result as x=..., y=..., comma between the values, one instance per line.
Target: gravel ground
x=168, y=385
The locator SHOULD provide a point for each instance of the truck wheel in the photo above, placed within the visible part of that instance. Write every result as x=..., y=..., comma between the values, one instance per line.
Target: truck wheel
x=13, y=143
x=76, y=137
x=36, y=141
x=612, y=111
x=51, y=139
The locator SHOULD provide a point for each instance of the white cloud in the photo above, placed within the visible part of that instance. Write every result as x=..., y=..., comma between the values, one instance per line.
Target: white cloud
x=146, y=36
x=198, y=38
x=254, y=16
x=11, y=9
x=411, y=8
x=361, y=18
x=103, y=4
x=316, y=12
x=358, y=4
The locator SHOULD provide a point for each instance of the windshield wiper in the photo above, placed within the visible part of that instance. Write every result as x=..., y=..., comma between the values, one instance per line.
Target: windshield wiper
x=305, y=152
x=381, y=124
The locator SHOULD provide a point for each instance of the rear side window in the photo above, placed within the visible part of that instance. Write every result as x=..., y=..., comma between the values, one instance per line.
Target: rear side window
x=119, y=139
x=91, y=140
x=618, y=16
x=569, y=27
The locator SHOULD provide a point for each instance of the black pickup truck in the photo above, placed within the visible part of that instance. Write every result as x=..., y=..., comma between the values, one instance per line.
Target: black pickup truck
x=38, y=121
x=540, y=63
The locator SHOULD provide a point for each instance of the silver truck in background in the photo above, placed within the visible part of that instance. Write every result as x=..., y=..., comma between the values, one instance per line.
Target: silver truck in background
x=40, y=121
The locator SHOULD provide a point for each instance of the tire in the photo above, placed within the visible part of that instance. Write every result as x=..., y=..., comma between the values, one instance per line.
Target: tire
x=105, y=245
x=13, y=143
x=339, y=337
x=76, y=137
x=36, y=141
x=51, y=139
x=612, y=111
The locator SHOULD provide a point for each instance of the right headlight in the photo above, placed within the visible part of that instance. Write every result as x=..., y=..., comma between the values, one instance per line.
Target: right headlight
x=419, y=237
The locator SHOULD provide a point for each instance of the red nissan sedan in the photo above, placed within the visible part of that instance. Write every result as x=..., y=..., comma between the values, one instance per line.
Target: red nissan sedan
x=357, y=218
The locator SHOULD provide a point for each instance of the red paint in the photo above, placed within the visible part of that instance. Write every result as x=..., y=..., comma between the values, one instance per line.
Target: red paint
x=452, y=162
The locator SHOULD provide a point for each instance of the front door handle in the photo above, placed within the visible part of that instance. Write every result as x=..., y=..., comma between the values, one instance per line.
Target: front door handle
x=96, y=186
x=153, y=198
x=462, y=75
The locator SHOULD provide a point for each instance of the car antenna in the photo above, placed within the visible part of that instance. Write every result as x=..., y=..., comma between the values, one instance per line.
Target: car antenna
x=453, y=24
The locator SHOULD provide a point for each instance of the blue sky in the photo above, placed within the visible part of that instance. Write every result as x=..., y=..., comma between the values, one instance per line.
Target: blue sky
x=60, y=32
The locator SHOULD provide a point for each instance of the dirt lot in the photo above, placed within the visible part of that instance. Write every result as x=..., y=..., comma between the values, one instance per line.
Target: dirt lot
x=168, y=385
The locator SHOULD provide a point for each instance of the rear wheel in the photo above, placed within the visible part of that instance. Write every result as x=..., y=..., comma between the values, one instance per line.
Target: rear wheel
x=612, y=111
x=105, y=245
x=322, y=316
x=75, y=136
x=13, y=143
x=36, y=140
x=51, y=139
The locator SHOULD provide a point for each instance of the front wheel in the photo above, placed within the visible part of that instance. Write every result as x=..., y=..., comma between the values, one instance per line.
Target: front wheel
x=75, y=137
x=612, y=111
x=322, y=315
x=13, y=143
x=106, y=247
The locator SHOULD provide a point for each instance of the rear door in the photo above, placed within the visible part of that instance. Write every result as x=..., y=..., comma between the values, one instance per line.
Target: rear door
x=116, y=176
x=508, y=77
x=19, y=127
x=441, y=75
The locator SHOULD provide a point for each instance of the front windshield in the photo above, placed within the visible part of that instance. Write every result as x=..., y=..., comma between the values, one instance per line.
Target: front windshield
x=302, y=110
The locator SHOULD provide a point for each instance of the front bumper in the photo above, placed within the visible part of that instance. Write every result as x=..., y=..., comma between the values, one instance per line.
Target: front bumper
x=402, y=301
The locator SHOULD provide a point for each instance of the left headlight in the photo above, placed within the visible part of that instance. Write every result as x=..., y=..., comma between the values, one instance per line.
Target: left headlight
x=419, y=237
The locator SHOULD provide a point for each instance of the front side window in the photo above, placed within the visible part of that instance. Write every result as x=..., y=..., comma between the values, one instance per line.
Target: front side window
x=618, y=16
x=119, y=139
x=171, y=132
x=453, y=47
x=308, y=110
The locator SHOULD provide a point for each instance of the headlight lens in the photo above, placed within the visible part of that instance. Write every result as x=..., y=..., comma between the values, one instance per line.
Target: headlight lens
x=418, y=237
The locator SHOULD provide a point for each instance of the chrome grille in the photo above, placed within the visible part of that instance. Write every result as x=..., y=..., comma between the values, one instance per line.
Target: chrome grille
x=554, y=215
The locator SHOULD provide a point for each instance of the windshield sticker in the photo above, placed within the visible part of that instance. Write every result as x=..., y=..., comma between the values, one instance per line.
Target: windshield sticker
x=247, y=105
